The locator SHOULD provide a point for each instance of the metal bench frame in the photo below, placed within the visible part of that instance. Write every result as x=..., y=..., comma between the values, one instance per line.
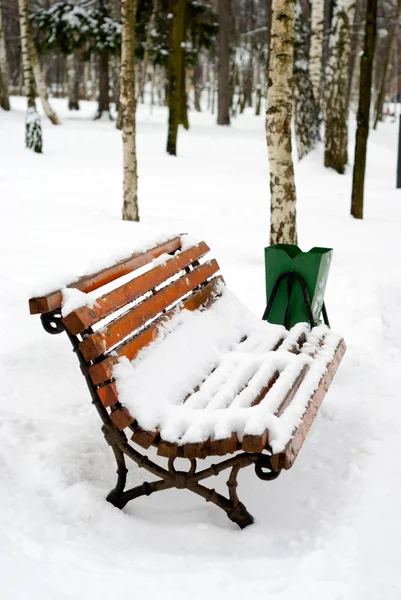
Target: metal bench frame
x=170, y=477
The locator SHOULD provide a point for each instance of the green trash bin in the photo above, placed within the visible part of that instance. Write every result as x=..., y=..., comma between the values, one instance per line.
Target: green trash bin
x=289, y=306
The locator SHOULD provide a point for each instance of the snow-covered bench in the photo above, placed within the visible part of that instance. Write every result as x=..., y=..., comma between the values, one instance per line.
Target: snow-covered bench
x=174, y=359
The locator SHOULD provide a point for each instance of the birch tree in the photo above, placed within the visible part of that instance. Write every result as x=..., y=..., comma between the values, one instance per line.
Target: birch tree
x=362, y=132
x=73, y=82
x=33, y=127
x=127, y=111
x=316, y=48
x=41, y=87
x=336, y=113
x=306, y=117
x=278, y=124
x=4, y=99
x=382, y=91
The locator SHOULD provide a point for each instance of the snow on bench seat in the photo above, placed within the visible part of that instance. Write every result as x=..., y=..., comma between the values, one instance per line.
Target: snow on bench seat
x=219, y=374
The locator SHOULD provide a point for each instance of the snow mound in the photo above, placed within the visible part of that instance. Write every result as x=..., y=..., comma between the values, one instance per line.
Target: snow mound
x=202, y=357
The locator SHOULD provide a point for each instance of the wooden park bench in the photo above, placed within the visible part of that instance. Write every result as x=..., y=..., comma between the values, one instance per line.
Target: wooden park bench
x=173, y=360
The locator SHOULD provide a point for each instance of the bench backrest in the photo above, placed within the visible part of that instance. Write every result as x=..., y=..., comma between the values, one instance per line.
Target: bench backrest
x=135, y=308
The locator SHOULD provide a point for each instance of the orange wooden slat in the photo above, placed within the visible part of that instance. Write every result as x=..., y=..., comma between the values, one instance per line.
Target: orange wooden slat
x=108, y=394
x=121, y=418
x=257, y=443
x=110, y=335
x=88, y=283
x=102, y=371
x=144, y=438
x=285, y=459
x=84, y=317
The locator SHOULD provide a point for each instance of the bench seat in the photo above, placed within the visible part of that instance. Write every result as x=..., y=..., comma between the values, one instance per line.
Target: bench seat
x=218, y=379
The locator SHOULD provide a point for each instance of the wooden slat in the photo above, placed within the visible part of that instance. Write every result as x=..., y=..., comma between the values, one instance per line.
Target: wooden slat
x=110, y=335
x=170, y=450
x=102, y=371
x=108, y=394
x=257, y=443
x=285, y=459
x=225, y=446
x=82, y=318
x=88, y=283
x=121, y=418
x=145, y=438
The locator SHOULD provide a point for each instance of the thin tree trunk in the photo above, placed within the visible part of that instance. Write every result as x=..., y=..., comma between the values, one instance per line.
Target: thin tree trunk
x=183, y=95
x=198, y=85
x=42, y=88
x=146, y=50
x=33, y=127
x=316, y=48
x=127, y=108
x=223, y=111
x=175, y=73
x=362, y=132
x=268, y=34
x=382, y=92
x=73, y=83
x=355, y=45
x=306, y=116
x=336, y=142
x=103, y=99
x=278, y=124
x=4, y=98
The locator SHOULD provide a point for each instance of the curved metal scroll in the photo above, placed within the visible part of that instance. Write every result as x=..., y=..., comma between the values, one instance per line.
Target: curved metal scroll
x=52, y=322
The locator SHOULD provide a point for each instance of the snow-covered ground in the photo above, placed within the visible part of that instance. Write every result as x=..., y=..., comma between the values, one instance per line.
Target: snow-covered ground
x=330, y=528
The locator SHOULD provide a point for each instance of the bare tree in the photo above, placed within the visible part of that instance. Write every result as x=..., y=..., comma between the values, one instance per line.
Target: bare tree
x=42, y=88
x=73, y=82
x=4, y=99
x=146, y=50
x=278, y=124
x=316, y=48
x=33, y=127
x=362, y=132
x=306, y=116
x=391, y=38
x=224, y=94
x=127, y=108
x=336, y=113
x=176, y=72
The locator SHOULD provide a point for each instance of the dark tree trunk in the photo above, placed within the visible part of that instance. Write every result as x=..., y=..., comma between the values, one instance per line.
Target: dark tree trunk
x=183, y=96
x=175, y=72
x=224, y=95
x=362, y=132
x=198, y=84
x=103, y=99
x=73, y=82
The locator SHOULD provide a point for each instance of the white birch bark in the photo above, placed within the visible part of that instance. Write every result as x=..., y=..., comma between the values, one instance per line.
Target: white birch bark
x=337, y=73
x=33, y=128
x=41, y=86
x=278, y=124
x=306, y=116
x=4, y=99
x=127, y=107
x=316, y=48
